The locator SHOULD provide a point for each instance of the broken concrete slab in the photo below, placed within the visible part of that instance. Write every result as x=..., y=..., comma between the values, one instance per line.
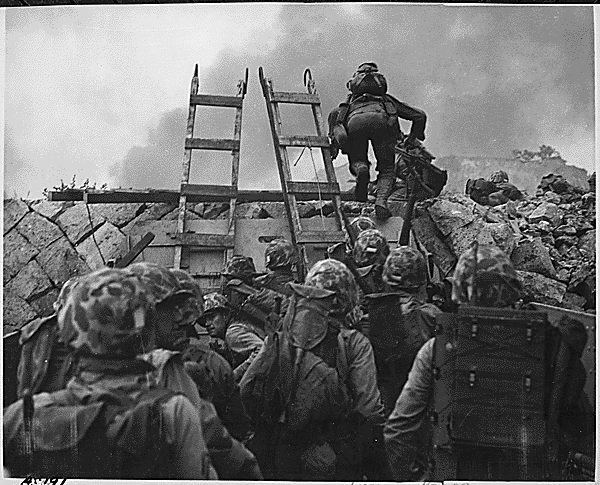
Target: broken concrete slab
x=60, y=261
x=450, y=216
x=75, y=221
x=111, y=242
x=250, y=210
x=17, y=253
x=14, y=211
x=215, y=209
x=16, y=312
x=276, y=210
x=532, y=255
x=38, y=230
x=429, y=236
x=542, y=289
x=30, y=282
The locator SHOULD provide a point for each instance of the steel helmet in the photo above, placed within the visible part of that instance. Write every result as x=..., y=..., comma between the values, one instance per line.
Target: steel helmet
x=330, y=274
x=280, y=253
x=161, y=282
x=499, y=177
x=371, y=248
x=64, y=292
x=405, y=268
x=213, y=302
x=241, y=267
x=193, y=307
x=485, y=276
x=107, y=313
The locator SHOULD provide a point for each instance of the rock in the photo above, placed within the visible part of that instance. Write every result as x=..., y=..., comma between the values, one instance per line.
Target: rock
x=214, y=209
x=307, y=210
x=578, y=276
x=199, y=209
x=251, y=210
x=60, y=261
x=552, y=197
x=30, y=282
x=450, y=216
x=587, y=245
x=573, y=301
x=153, y=212
x=533, y=256
x=17, y=253
x=352, y=207
x=112, y=244
x=428, y=234
x=565, y=240
x=548, y=240
x=14, y=211
x=570, y=252
x=546, y=211
x=544, y=226
x=16, y=311
x=542, y=289
x=172, y=216
x=503, y=236
x=563, y=275
x=118, y=214
x=275, y=209
x=51, y=210
x=463, y=237
x=75, y=222
x=564, y=230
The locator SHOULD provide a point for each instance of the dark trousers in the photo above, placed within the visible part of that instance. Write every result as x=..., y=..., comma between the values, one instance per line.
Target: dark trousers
x=383, y=141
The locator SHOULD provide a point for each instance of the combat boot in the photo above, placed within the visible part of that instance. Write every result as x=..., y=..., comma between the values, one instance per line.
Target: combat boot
x=385, y=185
x=361, y=171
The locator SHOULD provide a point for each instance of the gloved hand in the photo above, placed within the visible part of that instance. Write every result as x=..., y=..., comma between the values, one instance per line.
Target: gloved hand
x=334, y=150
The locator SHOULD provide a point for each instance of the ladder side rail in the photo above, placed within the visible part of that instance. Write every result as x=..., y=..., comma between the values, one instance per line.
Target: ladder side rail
x=326, y=154
x=235, y=166
x=187, y=161
x=283, y=167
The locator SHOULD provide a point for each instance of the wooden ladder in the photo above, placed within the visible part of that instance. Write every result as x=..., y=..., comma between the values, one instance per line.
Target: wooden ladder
x=301, y=238
x=184, y=240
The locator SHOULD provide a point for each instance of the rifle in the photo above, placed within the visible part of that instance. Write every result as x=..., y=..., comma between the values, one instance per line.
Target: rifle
x=424, y=179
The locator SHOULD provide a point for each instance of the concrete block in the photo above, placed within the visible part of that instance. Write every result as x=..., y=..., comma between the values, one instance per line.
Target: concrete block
x=61, y=261
x=51, y=210
x=30, y=282
x=14, y=211
x=532, y=255
x=111, y=242
x=17, y=253
x=16, y=312
x=75, y=222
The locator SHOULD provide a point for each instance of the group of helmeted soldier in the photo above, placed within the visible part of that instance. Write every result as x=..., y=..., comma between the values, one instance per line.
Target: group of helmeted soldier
x=330, y=377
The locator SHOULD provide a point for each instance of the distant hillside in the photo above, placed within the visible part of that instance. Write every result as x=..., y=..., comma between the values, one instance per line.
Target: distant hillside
x=525, y=175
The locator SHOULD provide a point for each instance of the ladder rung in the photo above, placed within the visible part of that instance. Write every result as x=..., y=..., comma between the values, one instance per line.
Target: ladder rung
x=202, y=240
x=316, y=237
x=295, y=98
x=214, y=193
x=211, y=144
x=325, y=188
x=211, y=100
x=304, y=141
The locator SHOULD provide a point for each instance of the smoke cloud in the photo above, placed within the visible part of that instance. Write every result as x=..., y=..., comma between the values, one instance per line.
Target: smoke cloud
x=491, y=79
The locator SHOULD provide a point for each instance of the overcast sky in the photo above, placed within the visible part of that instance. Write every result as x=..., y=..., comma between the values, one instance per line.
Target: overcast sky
x=101, y=92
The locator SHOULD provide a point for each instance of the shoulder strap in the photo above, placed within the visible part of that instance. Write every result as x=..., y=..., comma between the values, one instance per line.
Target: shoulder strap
x=342, y=358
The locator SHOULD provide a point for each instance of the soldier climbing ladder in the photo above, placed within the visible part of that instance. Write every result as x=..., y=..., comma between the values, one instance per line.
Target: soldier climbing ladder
x=209, y=193
x=291, y=188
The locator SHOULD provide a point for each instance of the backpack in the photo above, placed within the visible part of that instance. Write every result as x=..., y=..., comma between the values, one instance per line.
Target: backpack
x=107, y=436
x=367, y=81
x=306, y=352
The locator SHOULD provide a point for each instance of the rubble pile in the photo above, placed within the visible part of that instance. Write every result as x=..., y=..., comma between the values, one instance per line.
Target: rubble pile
x=550, y=237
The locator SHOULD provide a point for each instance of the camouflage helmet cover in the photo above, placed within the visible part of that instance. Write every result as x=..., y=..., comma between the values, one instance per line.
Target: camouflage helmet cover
x=106, y=313
x=371, y=248
x=64, y=292
x=367, y=67
x=330, y=274
x=161, y=282
x=240, y=267
x=193, y=307
x=499, y=177
x=485, y=276
x=213, y=302
x=358, y=225
x=405, y=268
x=280, y=253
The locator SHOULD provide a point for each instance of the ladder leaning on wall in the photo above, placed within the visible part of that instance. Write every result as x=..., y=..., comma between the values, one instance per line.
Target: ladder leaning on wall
x=290, y=188
x=184, y=240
